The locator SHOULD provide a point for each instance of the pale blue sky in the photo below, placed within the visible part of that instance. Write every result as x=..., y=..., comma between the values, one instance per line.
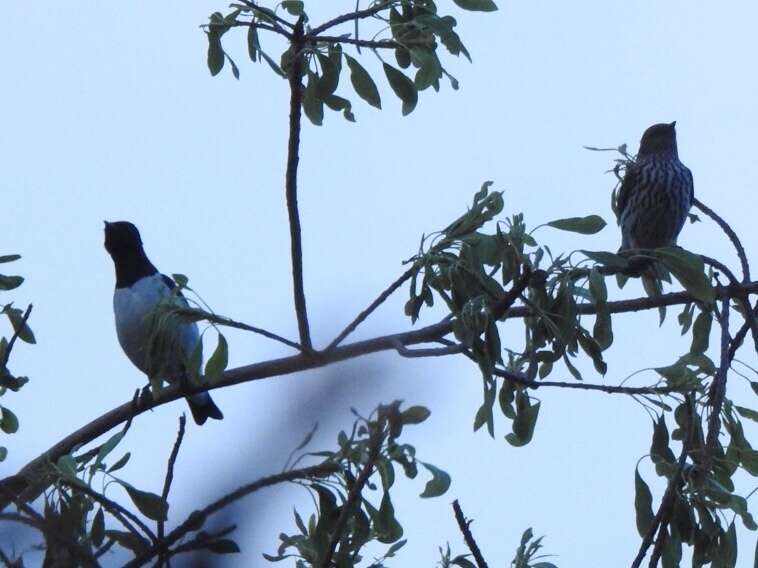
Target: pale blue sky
x=108, y=112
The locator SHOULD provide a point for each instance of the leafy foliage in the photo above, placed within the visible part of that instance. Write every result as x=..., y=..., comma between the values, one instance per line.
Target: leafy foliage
x=346, y=519
x=414, y=34
x=20, y=330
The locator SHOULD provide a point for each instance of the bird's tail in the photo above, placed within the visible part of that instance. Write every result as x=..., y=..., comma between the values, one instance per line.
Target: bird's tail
x=202, y=407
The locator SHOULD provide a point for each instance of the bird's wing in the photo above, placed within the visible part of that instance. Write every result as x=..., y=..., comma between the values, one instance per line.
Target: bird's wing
x=189, y=335
x=629, y=181
x=688, y=173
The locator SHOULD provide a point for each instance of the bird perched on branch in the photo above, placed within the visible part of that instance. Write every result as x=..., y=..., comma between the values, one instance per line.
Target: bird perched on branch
x=139, y=290
x=656, y=193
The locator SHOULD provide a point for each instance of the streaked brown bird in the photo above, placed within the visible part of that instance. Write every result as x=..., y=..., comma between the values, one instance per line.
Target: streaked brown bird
x=656, y=193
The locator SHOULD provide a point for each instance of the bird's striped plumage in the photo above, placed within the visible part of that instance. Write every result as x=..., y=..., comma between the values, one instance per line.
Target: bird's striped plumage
x=656, y=193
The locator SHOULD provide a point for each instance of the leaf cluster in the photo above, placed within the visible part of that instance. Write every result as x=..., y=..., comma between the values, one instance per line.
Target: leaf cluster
x=346, y=519
x=9, y=382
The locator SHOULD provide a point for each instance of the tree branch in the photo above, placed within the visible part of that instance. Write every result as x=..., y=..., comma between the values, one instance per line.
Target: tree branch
x=666, y=508
x=729, y=233
x=370, y=309
x=357, y=15
x=197, y=518
x=305, y=361
x=293, y=158
x=353, y=495
x=718, y=389
x=463, y=525
x=371, y=44
x=169, y=478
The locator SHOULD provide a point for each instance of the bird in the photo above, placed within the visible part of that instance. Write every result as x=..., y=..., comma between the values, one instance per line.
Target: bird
x=139, y=289
x=656, y=192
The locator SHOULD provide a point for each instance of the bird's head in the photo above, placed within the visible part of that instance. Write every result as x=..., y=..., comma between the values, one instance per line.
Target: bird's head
x=122, y=239
x=659, y=140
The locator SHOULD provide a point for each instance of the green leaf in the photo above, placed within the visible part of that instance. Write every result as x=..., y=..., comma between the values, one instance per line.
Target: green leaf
x=224, y=545
x=294, y=7
x=67, y=467
x=689, y=270
x=253, y=45
x=430, y=69
x=9, y=258
x=10, y=282
x=3, y=453
x=312, y=104
x=338, y=103
x=525, y=421
x=363, y=83
x=216, y=56
x=414, y=415
x=701, y=332
x=97, y=532
x=8, y=421
x=330, y=77
x=477, y=5
x=108, y=447
x=218, y=361
x=585, y=225
x=403, y=87
x=643, y=504
x=388, y=530
x=438, y=484
x=16, y=318
x=120, y=463
x=747, y=413
x=149, y=504
x=129, y=541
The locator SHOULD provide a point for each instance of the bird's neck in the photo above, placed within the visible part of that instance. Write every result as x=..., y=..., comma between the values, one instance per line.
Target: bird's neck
x=131, y=268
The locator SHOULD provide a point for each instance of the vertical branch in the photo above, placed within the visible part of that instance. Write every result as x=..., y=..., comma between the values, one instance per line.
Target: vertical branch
x=718, y=389
x=463, y=525
x=293, y=159
x=167, y=483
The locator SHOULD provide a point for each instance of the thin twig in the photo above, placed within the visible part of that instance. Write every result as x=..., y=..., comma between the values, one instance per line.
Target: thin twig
x=361, y=317
x=354, y=494
x=16, y=332
x=610, y=389
x=197, y=518
x=463, y=525
x=258, y=25
x=120, y=513
x=302, y=362
x=403, y=351
x=268, y=13
x=293, y=158
x=729, y=233
x=356, y=15
x=169, y=479
x=666, y=508
x=371, y=44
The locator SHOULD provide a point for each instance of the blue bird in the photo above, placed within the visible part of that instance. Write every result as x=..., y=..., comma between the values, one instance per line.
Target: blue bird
x=139, y=289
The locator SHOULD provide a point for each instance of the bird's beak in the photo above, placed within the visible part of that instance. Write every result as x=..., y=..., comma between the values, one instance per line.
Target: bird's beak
x=673, y=124
x=107, y=224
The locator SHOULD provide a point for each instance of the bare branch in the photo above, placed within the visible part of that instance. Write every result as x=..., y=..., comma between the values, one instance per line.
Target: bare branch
x=718, y=388
x=361, y=317
x=293, y=158
x=434, y=352
x=375, y=44
x=357, y=15
x=228, y=322
x=268, y=13
x=729, y=233
x=170, y=478
x=463, y=525
x=197, y=518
